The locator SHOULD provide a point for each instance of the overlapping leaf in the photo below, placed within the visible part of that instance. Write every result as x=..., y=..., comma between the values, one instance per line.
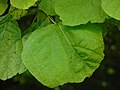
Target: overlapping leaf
x=10, y=50
x=47, y=6
x=57, y=54
x=112, y=8
x=22, y=4
x=75, y=12
x=3, y=6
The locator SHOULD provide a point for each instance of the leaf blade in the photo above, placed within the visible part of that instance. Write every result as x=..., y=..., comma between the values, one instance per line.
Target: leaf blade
x=10, y=50
x=76, y=12
x=3, y=6
x=22, y=4
x=55, y=61
x=112, y=8
x=47, y=6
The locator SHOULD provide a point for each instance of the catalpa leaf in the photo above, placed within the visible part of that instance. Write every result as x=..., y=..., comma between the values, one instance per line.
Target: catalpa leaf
x=10, y=50
x=112, y=8
x=3, y=6
x=58, y=54
x=22, y=4
x=76, y=12
x=47, y=6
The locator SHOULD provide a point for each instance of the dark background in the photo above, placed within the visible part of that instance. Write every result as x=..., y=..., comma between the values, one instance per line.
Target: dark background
x=106, y=77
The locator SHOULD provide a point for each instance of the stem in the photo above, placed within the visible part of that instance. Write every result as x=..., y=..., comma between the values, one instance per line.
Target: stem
x=51, y=19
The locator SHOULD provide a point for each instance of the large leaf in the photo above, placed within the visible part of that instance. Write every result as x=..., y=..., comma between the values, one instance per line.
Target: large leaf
x=112, y=8
x=10, y=50
x=57, y=54
x=3, y=6
x=75, y=12
x=22, y=4
x=47, y=6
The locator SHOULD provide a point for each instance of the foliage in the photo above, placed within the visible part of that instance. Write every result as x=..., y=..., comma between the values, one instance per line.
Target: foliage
x=58, y=41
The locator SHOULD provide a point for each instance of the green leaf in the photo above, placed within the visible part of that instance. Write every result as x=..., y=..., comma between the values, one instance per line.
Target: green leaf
x=22, y=4
x=112, y=8
x=10, y=50
x=47, y=6
x=76, y=12
x=59, y=54
x=3, y=6
x=17, y=13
